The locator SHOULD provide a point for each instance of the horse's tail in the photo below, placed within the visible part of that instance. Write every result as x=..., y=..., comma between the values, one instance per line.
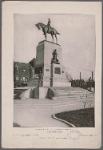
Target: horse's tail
x=58, y=33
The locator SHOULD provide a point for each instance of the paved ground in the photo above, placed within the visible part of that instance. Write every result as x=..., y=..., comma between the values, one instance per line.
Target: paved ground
x=38, y=112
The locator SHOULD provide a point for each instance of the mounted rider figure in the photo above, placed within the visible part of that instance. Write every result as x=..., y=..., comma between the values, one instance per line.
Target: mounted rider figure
x=47, y=29
x=49, y=25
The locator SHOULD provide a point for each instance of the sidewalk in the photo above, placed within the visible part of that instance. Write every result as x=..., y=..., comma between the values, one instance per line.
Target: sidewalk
x=38, y=112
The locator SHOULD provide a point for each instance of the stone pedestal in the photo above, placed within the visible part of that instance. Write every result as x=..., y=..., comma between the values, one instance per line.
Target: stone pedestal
x=58, y=78
x=43, y=65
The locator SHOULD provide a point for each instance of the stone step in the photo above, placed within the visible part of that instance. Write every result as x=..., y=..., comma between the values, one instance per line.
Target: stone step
x=74, y=95
x=71, y=97
x=68, y=88
x=67, y=92
x=64, y=97
x=70, y=92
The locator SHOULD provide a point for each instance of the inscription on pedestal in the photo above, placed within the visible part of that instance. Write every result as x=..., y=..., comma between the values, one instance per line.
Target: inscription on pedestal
x=57, y=70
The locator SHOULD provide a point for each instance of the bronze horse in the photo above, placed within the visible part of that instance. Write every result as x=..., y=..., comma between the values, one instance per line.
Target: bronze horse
x=45, y=30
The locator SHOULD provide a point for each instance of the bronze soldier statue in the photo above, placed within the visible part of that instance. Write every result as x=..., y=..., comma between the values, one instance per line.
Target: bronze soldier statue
x=54, y=59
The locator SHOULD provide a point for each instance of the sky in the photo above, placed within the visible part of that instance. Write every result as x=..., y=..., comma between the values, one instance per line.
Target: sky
x=77, y=40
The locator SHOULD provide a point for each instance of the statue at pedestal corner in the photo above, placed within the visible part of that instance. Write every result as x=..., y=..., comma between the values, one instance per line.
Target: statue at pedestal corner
x=54, y=59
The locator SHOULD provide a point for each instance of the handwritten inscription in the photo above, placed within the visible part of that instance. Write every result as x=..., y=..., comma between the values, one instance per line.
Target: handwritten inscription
x=74, y=135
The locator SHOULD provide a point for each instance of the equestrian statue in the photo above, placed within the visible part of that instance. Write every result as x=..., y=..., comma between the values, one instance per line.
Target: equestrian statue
x=47, y=29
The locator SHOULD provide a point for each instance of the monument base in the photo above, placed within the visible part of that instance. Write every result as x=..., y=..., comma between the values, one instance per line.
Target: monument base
x=57, y=82
x=49, y=65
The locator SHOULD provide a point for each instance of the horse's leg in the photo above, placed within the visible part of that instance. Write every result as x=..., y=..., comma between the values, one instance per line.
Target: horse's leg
x=46, y=37
x=52, y=37
x=56, y=39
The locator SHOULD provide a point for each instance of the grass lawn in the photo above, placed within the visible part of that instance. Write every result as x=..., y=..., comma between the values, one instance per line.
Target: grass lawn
x=80, y=118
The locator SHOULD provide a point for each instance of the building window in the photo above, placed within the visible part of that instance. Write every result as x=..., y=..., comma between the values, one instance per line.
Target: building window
x=47, y=69
x=17, y=78
x=57, y=70
x=62, y=71
x=38, y=70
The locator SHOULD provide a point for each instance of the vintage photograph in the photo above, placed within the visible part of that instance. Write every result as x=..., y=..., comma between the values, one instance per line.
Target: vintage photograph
x=51, y=74
x=54, y=70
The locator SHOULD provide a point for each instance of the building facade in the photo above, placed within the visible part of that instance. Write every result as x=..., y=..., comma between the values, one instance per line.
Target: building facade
x=23, y=72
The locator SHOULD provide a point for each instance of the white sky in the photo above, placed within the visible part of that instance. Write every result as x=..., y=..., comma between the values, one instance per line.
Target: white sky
x=77, y=40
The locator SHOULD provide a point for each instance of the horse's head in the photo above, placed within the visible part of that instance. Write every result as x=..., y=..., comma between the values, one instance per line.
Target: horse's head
x=38, y=26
